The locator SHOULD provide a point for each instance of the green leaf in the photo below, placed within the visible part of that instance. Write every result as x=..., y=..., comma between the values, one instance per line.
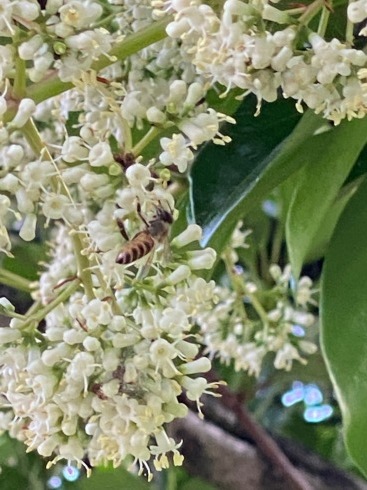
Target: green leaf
x=343, y=321
x=72, y=123
x=226, y=182
x=113, y=479
x=330, y=156
x=26, y=261
x=228, y=104
x=328, y=224
x=197, y=483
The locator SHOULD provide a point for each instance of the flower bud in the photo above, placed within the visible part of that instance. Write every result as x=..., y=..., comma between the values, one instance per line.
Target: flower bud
x=202, y=365
x=3, y=105
x=194, y=94
x=5, y=304
x=357, y=11
x=28, y=229
x=4, y=204
x=201, y=259
x=69, y=426
x=275, y=15
x=25, y=110
x=59, y=48
x=8, y=335
x=177, y=91
x=14, y=155
x=182, y=273
x=156, y=116
x=191, y=234
x=26, y=10
x=28, y=49
x=188, y=349
x=89, y=182
x=73, y=337
x=47, y=447
x=307, y=346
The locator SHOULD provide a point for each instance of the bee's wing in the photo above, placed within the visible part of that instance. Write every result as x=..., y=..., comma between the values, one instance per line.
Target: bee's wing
x=144, y=269
x=167, y=255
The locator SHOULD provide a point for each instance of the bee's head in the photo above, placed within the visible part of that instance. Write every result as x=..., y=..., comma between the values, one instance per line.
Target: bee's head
x=164, y=215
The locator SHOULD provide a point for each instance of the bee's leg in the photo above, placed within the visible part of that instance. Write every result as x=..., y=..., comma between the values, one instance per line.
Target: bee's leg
x=138, y=208
x=122, y=229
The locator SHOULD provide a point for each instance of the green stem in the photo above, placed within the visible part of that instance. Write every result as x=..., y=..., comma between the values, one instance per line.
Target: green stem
x=12, y=314
x=325, y=13
x=48, y=88
x=126, y=135
x=134, y=43
x=311, y=11
x=237, y=283
x=146, y=139
x=34, y=140
x=260, y=310
x=83, y=266
x=34, y=307
x=15, y=281
x=349, y=31
x=264, y=263
x=19, y=87
x=128, y=46
x=295, y=11
x=277, y=243
x=61, y=298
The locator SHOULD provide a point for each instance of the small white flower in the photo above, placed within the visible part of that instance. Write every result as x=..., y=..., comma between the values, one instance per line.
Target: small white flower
x=100, y=155
x=74, y=149
x=176, y=152
x=138, y=175
x=54, y=206
x=357, y=11
x=97, y=312
x=79, y=15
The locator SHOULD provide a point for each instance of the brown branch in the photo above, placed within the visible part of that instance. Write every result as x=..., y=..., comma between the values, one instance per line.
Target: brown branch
x=262, y=439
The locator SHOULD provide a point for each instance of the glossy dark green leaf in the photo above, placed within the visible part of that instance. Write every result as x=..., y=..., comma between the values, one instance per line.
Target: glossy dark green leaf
x=331, y=155
x=226, y=182
x=328, y=224
x=359, y=168
x=344, y=321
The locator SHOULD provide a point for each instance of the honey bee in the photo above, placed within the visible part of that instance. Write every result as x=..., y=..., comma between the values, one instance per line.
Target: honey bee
x=156, y=231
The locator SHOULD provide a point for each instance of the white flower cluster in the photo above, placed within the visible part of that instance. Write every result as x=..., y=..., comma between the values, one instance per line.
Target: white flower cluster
x=103, y=374
x=236, y=50
x=248, y=322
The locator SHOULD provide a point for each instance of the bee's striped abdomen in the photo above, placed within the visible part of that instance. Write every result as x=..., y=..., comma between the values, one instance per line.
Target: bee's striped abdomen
x=138, y=247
